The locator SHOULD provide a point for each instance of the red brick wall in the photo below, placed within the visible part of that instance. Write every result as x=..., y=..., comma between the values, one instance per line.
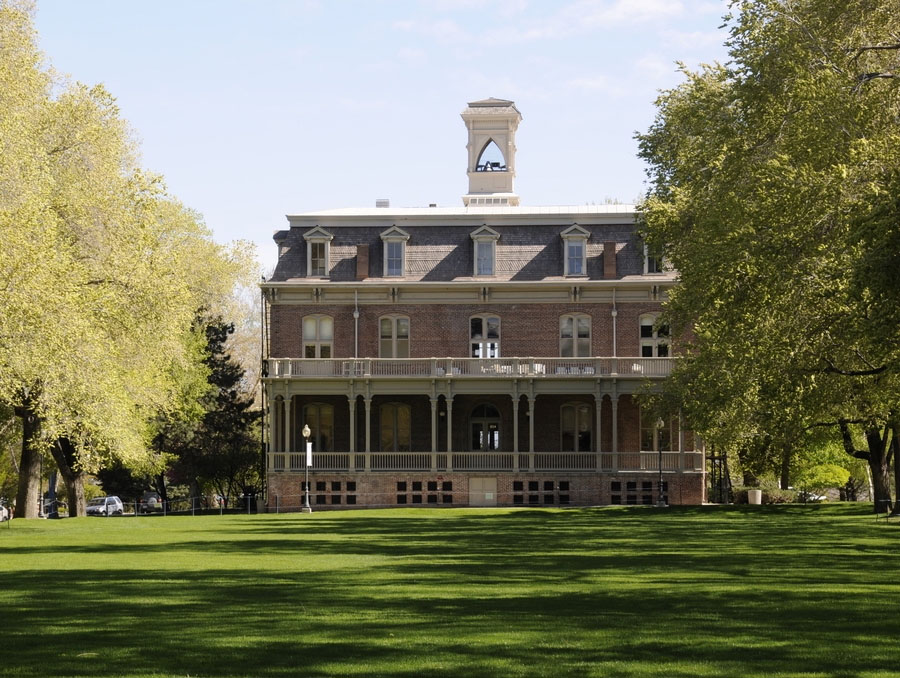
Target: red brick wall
x=443, y=330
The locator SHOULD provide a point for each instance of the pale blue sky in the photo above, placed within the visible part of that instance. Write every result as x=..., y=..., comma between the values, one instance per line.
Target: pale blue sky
x=253, y=110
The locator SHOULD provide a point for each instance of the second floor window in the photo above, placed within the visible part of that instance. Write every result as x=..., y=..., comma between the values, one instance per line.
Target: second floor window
x=393, y=338
x=318, y=334
x=484, y=332
x=574, y=336
x=654, y=338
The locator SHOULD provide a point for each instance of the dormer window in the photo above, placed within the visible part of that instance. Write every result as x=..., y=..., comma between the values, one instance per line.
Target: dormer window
x=318, y=246
x=394, y=240
x=575, y=250
x=485, y=244
x=653, y=260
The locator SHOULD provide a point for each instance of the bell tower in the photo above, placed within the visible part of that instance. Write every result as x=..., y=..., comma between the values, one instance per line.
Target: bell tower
x=492, y=125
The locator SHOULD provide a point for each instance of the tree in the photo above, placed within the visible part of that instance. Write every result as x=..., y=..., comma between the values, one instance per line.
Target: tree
x=221, y=447
x=104, y=273
x=773, y=190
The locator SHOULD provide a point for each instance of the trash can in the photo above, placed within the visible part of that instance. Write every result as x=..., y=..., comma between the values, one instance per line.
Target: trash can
x=754, y=497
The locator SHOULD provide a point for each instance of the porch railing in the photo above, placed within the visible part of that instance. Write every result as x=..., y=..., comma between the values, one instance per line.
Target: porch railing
x=451, y=368
x=501, y=462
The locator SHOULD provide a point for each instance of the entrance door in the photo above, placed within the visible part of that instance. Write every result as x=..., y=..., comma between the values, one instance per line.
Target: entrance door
x=485, y=429
x=482, y=491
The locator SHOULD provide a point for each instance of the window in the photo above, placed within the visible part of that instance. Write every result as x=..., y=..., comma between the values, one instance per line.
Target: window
x=485, y=240
x=654, y=338
x=395, y=428
x=484, y=332
x=658, y=434
x=393, y=337
x=576, y=427
x=318, y=244
x=575, y=250
x=320, y=419
x=318, y=333
x=394, y=240
x=574, y=336
x=653, y=260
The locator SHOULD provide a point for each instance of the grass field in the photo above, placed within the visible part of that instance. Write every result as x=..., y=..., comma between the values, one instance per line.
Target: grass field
x=622, y=591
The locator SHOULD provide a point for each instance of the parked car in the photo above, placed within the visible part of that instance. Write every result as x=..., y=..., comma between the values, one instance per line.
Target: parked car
x=151, y=502
x=105, y=506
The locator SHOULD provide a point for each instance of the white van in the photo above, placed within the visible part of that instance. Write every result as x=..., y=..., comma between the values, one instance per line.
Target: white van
x=105, y=506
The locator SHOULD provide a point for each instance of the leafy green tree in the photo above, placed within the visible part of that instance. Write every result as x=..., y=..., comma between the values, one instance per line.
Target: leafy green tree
x=773, y=190
x=103, y=274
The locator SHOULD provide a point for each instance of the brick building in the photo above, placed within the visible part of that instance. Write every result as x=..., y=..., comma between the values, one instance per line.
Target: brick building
x=483, y=355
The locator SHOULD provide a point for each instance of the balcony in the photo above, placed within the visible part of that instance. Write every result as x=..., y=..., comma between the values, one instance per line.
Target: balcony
x=500, y=462
x=468, y=368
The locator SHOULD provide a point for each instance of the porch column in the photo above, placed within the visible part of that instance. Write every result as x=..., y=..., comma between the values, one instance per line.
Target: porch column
x=287, y=424
x=598, y=436
x=680, y=442
x=273, y=423
x=351, y=401
x=434, y=434
x=516, y=424
x=449, y=399
x=368, y=403
x=531, y=400
x=614, y=401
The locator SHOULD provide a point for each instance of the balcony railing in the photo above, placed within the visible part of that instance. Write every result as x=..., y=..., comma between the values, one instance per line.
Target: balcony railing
x=501, y=462
x=451, y=368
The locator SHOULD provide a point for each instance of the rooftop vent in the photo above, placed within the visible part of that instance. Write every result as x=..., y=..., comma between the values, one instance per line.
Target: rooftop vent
x=432, y=204
x=382, y=202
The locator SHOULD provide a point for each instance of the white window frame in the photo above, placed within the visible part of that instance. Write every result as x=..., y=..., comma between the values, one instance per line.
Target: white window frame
x=575, y=235
x=399, y=237
x=484, y=237
x=394, y=338
x=483, y=345
x=574, y=318
x=317, y=342
x=653, y=265
x=318, y=236
x=655, y=338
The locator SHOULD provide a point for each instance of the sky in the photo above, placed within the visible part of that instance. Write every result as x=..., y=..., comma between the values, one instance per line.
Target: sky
x=252, y=110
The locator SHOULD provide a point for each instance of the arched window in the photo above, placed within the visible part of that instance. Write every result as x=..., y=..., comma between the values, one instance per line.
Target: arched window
x=575, y=336
x=320, y=419
x=491, y=158
x=393, y=341
x=576, y=427
x=484, y=335
x=484, y=425
x=318, y=333
x=396, y=426
x=654, y=338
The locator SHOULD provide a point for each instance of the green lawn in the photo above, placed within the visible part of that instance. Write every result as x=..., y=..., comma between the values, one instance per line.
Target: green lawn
x=680, y=592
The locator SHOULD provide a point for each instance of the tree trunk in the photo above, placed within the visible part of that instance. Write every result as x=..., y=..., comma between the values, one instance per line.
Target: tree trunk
x=895, y=453
x=785, y=468
x=28, y=495
x=881, y=476
x=67, y=462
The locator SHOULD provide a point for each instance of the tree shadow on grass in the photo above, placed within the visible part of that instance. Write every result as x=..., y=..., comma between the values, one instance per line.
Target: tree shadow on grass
x=623, y=592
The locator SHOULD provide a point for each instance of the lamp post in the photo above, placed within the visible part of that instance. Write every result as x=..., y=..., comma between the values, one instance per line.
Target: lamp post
x=660, y=502
x=306, y=507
